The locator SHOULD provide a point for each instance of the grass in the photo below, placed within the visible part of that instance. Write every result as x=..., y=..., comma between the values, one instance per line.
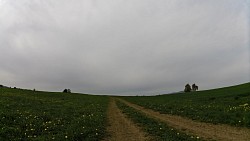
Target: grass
x=230, y=105
x=32, y=115
x=155, y=128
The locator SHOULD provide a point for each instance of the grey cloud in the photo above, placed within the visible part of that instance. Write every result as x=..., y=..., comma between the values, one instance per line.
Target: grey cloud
x=123, y=47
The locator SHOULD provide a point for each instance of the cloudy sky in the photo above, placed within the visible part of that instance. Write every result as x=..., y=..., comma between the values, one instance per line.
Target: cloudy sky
x=124, y=47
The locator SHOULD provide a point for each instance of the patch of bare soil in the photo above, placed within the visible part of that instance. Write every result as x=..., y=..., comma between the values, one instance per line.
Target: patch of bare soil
x=120, y=128
x=207, y=131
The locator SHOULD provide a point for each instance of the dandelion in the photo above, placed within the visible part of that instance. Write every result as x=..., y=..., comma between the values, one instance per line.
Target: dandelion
x=96, y=133
x=197, y=137
x=66, y=137
x=178, y=133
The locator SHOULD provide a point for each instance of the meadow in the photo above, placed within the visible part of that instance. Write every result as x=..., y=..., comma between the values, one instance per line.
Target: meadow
x=36, y=115
x=230, y=105
x=155, y=128
x=33, y=115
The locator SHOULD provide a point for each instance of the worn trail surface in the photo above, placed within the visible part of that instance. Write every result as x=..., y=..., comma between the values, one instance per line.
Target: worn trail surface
x=120, y=128
x=207, y=131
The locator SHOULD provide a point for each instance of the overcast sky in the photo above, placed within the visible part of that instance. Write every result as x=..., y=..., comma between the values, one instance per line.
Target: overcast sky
x=124, y=47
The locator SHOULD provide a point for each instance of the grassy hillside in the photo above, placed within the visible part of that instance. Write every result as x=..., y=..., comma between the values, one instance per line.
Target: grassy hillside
x=29, y=115
x=33, y=115
x=230, y=105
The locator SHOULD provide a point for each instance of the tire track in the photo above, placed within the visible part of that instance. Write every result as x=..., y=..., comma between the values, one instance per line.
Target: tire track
x=120, y=128
x=207, y=131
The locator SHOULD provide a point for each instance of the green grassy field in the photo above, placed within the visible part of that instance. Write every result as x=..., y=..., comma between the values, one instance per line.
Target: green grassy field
x=157, y=129
x=33, y=115
x=230, y=105
x=29, y=115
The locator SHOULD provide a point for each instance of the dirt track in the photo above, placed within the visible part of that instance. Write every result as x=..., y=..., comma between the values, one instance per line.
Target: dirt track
x=120, y=128
x=205, y=130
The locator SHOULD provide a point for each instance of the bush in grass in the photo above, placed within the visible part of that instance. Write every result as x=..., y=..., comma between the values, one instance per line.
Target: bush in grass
x=67, y=91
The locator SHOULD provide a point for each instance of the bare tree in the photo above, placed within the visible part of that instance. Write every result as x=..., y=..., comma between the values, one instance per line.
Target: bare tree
x=194, y=87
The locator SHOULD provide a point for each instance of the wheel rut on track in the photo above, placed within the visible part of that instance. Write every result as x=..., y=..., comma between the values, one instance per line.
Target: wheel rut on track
x=120, y=127
x=207, y=131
